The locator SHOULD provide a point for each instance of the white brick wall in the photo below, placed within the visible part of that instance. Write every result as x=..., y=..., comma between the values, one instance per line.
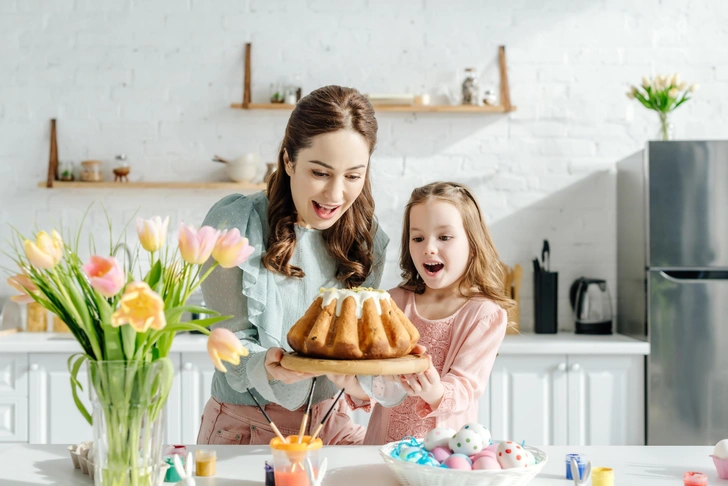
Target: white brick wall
x=154, y=79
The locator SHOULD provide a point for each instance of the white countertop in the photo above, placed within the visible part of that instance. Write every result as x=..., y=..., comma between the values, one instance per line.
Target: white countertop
x=527, y=343
x=25, y=464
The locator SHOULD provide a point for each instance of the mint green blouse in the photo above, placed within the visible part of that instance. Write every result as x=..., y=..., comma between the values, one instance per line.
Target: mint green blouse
x=265, y=305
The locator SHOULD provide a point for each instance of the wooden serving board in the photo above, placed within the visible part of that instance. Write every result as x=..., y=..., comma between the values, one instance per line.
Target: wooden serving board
x=412, y=363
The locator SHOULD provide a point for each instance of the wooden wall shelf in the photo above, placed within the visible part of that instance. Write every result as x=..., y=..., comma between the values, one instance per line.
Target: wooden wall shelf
x=235, y=186
x=504, y=107
x=392, y=108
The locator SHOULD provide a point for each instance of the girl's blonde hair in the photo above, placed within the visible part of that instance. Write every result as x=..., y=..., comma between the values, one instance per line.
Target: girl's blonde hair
x=485, y=274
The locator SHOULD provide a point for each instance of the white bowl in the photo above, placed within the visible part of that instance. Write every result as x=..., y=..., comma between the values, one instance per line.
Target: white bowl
x=412, y=474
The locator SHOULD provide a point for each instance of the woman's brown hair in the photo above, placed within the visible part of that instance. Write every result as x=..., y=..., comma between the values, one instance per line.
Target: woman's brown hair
x=485, y=274
x=350, y=239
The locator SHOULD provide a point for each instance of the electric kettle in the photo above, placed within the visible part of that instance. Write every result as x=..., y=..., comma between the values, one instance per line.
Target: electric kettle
x=592, y=306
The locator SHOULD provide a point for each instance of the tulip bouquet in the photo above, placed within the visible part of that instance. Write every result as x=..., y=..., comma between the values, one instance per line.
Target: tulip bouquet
x=664, y=94
x=125, y=326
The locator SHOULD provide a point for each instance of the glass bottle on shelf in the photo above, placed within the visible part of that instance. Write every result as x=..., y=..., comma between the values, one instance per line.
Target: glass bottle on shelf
x=470, y=88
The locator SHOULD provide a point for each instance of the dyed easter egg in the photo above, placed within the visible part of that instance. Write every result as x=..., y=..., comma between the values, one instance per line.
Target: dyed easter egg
x=511, y=455
x=466, y=442
x=438, y=437
x=483, y=453
x=492, y=448
x=486, y=462
x=458, y=461
x=441, y=453
x=479, y=429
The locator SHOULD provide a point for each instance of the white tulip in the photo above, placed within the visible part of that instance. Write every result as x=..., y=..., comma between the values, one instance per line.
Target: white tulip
x=694, y=87
x=675, y=79
x=682, y=86
x=673, y=92
x=630, y=94
x=646, y=82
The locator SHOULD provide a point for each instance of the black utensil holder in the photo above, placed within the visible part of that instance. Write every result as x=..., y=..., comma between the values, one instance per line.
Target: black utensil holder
x=546, y=285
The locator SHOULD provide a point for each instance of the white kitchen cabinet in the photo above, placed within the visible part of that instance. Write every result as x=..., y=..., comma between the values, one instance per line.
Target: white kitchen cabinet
x=13, y=419
x=197, y=372
x=54, y=416
x=606, y=400
x=568, y=399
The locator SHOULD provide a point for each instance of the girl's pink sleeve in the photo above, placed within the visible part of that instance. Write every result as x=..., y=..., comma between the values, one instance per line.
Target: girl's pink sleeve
x=468, y=376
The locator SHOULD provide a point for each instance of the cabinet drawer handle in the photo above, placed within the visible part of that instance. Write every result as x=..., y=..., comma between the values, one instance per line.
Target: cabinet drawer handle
x=34, y=367
x=575, y=367
x=188, y=366
x=561, y=367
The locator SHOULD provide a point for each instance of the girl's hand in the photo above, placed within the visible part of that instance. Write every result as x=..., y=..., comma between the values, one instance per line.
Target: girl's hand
x=426, y=385
x=350, y=383
x=275, y=371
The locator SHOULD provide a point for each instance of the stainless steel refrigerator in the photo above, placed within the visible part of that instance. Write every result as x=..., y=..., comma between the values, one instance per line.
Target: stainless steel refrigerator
x=672, y=284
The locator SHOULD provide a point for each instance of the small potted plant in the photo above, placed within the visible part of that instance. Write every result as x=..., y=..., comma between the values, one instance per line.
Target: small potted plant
x=664, y=94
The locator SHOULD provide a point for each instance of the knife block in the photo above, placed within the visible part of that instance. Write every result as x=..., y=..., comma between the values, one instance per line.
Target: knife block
x=546, y=292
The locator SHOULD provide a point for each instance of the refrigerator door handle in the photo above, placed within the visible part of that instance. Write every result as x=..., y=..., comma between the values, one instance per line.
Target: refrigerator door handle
x=693, y=276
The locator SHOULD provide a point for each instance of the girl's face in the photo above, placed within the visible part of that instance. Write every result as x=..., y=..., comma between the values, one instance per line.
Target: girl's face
x=328, y=177
x=439, y=244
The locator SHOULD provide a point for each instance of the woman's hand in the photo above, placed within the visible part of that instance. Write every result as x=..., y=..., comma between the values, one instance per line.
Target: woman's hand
x=426, y=385
x=275, y=371
x=350, y=383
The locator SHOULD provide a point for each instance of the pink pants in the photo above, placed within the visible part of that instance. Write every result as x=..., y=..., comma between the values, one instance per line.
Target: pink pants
x=226, y=424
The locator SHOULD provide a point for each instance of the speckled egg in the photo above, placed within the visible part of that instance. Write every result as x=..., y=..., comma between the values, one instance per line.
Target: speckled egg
x=459, y=461
x=438, y=437
x=486, y=462
x=511, y=455
x=466, y=442
x=481, y=430
x=441, y=452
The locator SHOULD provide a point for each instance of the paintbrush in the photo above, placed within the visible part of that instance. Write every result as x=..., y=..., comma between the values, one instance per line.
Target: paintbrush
x=320, y=426
x=304, y=422
x=272, y=425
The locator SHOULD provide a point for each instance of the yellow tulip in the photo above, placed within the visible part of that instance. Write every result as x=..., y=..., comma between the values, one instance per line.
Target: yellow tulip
x=141, y=308
x=152, y=232
x=46, y=251
x=223, y=345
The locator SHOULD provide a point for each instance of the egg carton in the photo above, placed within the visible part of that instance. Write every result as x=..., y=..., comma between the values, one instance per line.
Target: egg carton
x=413, y=474
x=82, y=458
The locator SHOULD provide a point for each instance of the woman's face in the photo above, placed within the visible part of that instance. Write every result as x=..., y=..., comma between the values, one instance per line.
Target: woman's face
x=327, y=177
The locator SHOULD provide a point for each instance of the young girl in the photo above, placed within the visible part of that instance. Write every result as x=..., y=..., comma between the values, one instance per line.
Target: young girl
x=453, y=293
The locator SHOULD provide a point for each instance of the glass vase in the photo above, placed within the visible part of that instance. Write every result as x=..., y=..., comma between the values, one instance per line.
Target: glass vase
x=666, y=128
x=128, y=420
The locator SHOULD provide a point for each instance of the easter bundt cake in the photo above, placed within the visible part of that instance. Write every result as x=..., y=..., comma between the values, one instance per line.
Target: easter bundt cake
x=358, y=323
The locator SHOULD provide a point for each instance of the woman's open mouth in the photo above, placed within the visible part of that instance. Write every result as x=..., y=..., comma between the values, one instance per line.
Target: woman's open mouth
x=433, y=269
x=324, y=211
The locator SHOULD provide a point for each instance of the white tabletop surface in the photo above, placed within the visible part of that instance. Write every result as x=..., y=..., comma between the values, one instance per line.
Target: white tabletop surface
x=24, y=464
x=526, y=343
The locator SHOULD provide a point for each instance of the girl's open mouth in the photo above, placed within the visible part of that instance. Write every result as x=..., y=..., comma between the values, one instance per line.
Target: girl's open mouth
x=324, y=212
x=432, y=269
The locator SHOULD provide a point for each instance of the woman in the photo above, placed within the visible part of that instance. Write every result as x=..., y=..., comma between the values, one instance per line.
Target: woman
x=314, y=228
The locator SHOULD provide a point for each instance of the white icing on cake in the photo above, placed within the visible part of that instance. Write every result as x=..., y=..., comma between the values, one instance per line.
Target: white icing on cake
x=359, y=294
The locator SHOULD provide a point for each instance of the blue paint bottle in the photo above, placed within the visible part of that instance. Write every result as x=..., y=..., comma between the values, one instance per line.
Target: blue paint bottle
x=581, y=462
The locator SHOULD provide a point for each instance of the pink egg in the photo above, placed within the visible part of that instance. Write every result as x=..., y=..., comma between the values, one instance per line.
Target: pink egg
x=492, y=448
x=441, y=453
x=485, y=453
x=486, y=462
x=458, y=461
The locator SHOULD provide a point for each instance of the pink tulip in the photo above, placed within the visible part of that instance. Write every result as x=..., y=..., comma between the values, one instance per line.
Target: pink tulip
x=231, y=249
x=23, y=284
x=152, y=232
x=105, y=275
x=195, y=246
x=46, y=251
x=223, y=345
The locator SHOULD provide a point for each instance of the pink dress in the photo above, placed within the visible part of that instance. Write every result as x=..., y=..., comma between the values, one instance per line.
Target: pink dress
x=463, y=348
